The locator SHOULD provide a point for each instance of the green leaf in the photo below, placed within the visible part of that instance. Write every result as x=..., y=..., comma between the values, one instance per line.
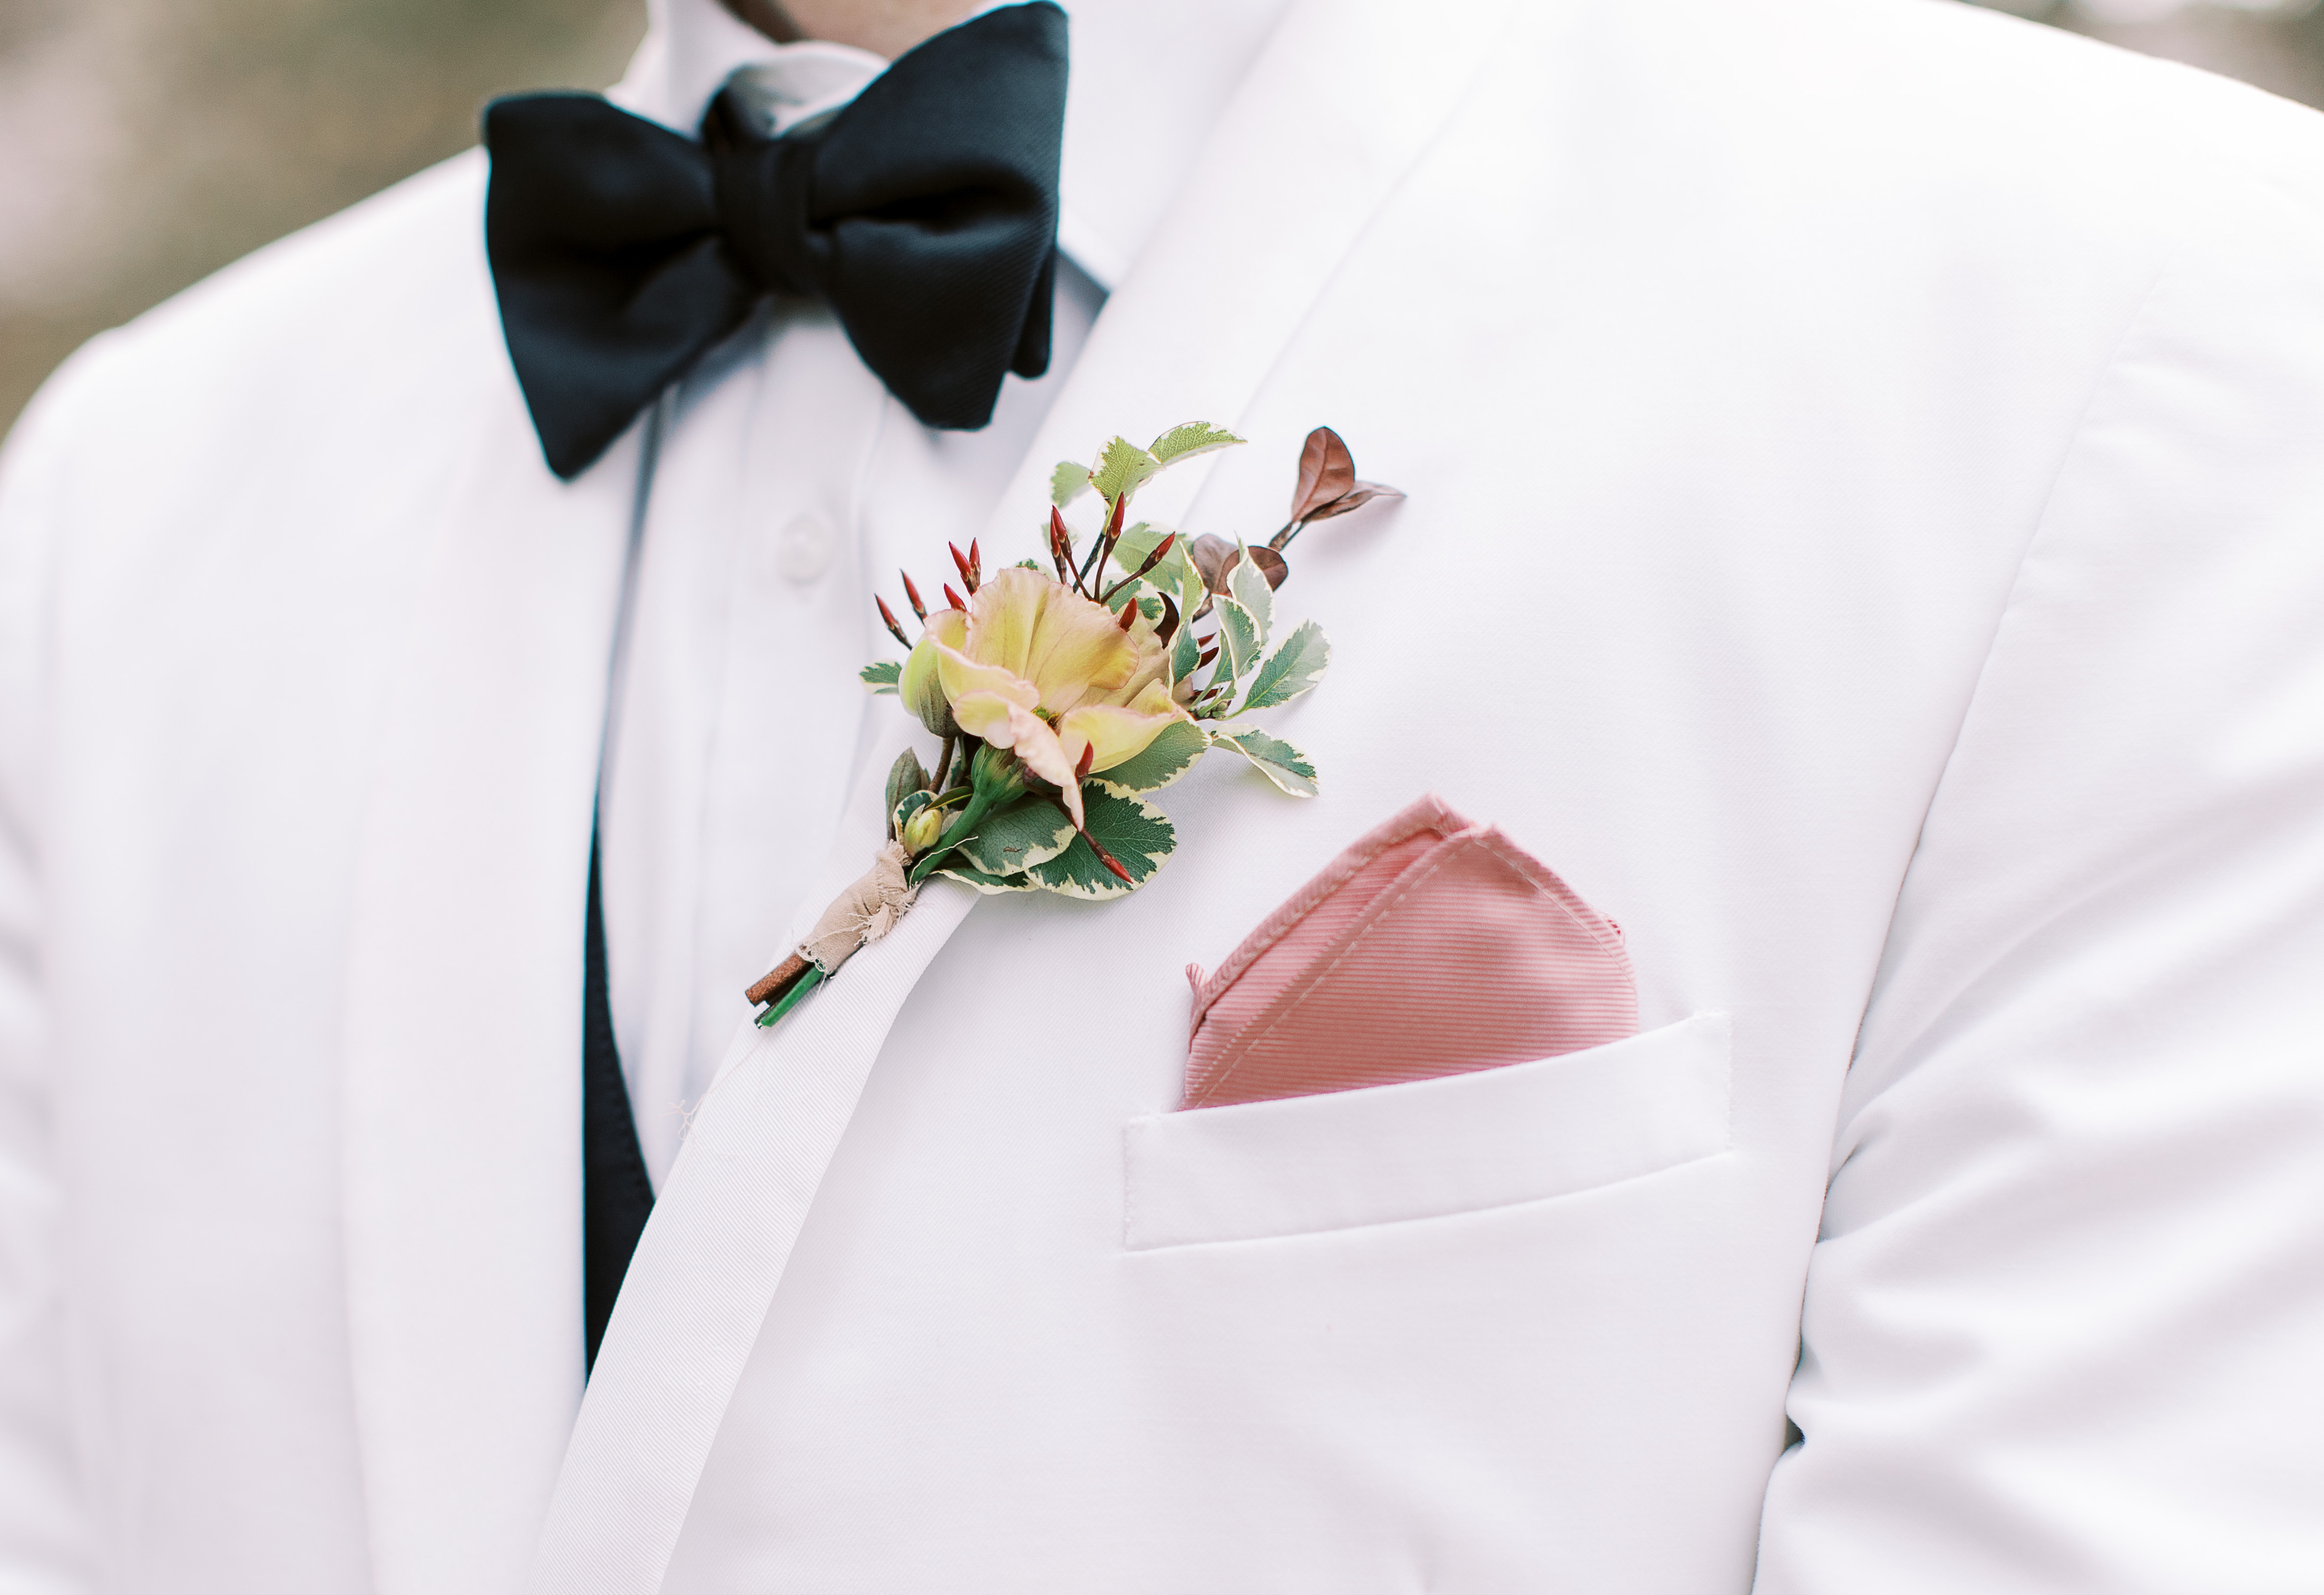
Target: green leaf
x=1131, y=550
x=1126, y=825
x=1195, y=437
x=907, y=774
x=1030, y=831
x=1173, y=574
x=1184, y=649
x=1121, y=468
x=989, y=885
x=1171, y=754
x=1181, y=578
x=1247, y=583
x=882, y=675
x=1067, y=483
x=904, y=809
x=906, y=779
x=1240, y=638
x=1291, y=669
x=1277, y=759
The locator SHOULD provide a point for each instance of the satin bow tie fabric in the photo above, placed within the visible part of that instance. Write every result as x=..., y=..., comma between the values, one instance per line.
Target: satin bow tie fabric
x=924, y=213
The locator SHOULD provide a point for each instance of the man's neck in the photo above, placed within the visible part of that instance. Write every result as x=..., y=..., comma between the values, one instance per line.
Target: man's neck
x=884, y=27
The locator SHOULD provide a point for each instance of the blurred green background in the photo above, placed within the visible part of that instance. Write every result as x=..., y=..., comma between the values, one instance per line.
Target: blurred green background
x=146, y=143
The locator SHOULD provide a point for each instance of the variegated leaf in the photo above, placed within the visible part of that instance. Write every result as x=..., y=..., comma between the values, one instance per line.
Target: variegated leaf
x=1275, y=759
x=1030, y=831
x=1068, y=482
x=989, y=885
x=1173, y=573
x=1138, y=834
x=1195, y=437
x=1247, y=586
x=1291, y=669
x=1121, y=468
x=1239, y=636
x=1184, y=650
x=1136, y=543
x=1171, y=754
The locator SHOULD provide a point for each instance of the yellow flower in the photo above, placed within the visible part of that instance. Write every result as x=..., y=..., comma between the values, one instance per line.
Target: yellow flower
x=921, y=831
x=1033, y=666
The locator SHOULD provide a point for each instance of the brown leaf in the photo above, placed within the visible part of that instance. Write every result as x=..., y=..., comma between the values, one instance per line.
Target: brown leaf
x=1270, y=564
x=1169, y=629
x=1213, y=555
x=1355, y=498
x=1326, y=471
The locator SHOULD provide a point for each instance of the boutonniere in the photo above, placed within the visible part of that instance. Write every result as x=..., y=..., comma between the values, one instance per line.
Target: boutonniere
x=1062, y=694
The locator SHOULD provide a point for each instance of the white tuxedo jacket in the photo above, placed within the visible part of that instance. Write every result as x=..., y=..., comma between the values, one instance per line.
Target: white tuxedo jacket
x=1866, y=531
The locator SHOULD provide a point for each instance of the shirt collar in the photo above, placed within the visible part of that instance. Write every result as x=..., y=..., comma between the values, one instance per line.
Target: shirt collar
x=1140, y=99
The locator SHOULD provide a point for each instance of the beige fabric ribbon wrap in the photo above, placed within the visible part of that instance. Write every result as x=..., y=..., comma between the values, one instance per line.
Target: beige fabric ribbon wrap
x=863, y=913
x=866, y=911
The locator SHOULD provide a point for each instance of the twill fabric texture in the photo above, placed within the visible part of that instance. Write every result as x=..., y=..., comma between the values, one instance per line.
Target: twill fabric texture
x=1430, y=946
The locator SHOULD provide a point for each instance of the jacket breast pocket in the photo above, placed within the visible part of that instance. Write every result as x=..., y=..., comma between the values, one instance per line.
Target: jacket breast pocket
x=1426, y=1148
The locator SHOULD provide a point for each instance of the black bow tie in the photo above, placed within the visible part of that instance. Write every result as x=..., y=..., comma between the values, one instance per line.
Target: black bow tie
x=924, y=213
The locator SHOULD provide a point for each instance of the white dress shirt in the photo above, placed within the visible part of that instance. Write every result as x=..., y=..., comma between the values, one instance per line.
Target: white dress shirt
x=728, y=738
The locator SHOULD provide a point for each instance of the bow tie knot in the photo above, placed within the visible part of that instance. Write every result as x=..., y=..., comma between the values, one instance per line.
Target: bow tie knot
x=761, y=189
x=924, y=213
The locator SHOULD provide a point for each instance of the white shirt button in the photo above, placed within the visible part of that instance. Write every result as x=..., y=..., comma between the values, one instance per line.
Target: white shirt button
x=802, y=553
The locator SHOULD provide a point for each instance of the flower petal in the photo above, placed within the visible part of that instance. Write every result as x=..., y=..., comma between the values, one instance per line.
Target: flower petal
x=949, y=627
x=1003, y=617
x=1040, y=631
x=1036, y=746
x=1151, y=663
x=987, y=714
x=1117, y=733
x=962, y=677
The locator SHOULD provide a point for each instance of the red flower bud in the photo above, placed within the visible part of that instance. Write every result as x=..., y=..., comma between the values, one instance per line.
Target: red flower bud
x=1109, y=861
x=889, y=615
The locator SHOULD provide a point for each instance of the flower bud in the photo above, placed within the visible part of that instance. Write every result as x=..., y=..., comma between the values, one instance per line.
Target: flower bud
x=923, y=830
x=923, y=693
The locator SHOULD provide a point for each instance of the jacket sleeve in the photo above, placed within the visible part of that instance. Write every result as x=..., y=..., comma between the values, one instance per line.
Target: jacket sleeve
x=41, y=1515
x=2063, y=1330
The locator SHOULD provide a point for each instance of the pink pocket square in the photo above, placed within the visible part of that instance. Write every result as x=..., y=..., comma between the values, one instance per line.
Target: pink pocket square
x=1430, y=946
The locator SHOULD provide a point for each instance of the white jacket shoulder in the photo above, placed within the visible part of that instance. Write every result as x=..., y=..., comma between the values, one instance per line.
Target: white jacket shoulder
x=384, y=306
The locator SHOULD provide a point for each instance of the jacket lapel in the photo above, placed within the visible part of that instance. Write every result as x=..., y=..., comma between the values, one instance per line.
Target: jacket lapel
x=1334, y=112
x=463, y=1018
x=1338, y=97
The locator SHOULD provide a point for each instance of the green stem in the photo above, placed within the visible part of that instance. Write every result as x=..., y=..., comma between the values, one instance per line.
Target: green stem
x=959, y=831
x=792, y=998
